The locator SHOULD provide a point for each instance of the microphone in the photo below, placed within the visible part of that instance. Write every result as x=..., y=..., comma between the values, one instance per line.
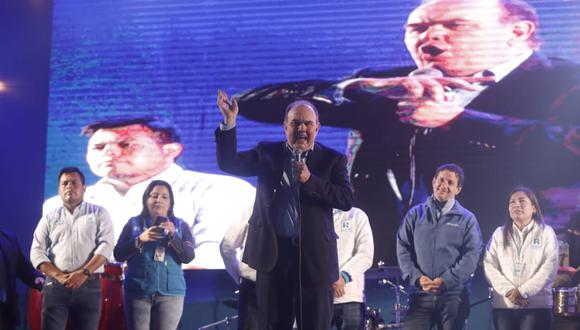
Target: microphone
x=297, y=155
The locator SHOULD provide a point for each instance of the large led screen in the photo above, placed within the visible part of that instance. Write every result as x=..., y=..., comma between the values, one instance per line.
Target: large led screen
x=162, y=62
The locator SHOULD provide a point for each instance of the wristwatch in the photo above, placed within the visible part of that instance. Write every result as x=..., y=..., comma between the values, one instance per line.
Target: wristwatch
x=87, y=272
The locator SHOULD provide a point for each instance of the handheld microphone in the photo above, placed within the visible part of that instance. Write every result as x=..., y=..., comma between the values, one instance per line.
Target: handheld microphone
x=297, y=155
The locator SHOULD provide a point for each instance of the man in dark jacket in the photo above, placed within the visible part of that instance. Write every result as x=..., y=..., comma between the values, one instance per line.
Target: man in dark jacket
x=13, y=264
x=291, y=240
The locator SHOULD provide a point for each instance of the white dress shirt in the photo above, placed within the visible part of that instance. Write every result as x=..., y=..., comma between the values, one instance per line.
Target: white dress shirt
x=69, y=240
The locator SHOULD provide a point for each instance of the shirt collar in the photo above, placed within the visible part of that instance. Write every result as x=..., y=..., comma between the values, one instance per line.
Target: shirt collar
x=524, y=230
x=502, y=70
x=304, y=153
x=447, y=207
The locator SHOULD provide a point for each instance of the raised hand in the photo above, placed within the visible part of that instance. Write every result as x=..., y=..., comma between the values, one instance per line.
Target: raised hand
x=228, y=108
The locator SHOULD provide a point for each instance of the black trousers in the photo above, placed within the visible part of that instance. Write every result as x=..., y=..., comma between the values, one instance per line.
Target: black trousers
x=247, y=306
x=7, y=321
x=282, y=298
x=443, y=312
x=522, y=319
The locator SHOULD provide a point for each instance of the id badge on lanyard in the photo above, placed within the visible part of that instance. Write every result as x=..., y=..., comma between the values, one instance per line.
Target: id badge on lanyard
x=159, y=254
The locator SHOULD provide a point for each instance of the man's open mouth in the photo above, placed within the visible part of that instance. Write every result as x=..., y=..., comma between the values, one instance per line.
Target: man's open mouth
x=430, y=50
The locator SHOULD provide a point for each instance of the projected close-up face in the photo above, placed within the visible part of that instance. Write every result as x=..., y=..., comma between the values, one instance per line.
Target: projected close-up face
x=459, y=37
x=128, y=152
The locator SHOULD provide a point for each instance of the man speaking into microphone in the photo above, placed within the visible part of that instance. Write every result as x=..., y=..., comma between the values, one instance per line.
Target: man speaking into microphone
x=291, y=240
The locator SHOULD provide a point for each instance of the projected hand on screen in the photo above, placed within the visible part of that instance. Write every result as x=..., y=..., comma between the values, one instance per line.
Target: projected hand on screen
x=427, y=113
x=414, y=86
x=228, y=108
x=426, y=97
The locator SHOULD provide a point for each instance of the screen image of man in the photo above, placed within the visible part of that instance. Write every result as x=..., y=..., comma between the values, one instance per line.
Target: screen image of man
x=13, y=264
x=291, y=239
x=481, y=94
x=129, y=153
x=70, y=245
x=439, y=246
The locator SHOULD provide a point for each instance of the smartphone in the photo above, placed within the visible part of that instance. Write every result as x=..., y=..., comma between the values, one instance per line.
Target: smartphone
x=160, y=230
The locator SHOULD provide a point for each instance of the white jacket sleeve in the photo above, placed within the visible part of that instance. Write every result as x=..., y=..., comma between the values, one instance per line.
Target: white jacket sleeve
x=492, y=265
x=546, y=273
x=232, y=241
x=362, y=256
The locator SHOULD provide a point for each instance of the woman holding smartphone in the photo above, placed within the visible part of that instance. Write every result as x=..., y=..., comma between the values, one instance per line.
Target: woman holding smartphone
x=155, y=244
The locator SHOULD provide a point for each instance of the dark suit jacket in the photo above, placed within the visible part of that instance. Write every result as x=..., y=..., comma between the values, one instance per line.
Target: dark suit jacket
x=327, y=188
x=522, y=130
x=16, y=265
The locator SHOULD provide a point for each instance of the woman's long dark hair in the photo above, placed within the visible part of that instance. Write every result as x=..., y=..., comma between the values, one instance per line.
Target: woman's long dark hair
x=148, y=190
x=536, y=216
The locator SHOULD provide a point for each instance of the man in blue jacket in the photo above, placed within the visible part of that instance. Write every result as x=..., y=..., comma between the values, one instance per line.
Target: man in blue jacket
x=438, y=247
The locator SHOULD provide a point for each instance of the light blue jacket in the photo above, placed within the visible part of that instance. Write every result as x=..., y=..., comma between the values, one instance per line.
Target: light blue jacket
x=145, y=276
x=448, y=248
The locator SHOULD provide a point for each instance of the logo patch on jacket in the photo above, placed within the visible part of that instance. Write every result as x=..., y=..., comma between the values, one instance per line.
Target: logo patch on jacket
x=536, y=243
x=345, y=225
